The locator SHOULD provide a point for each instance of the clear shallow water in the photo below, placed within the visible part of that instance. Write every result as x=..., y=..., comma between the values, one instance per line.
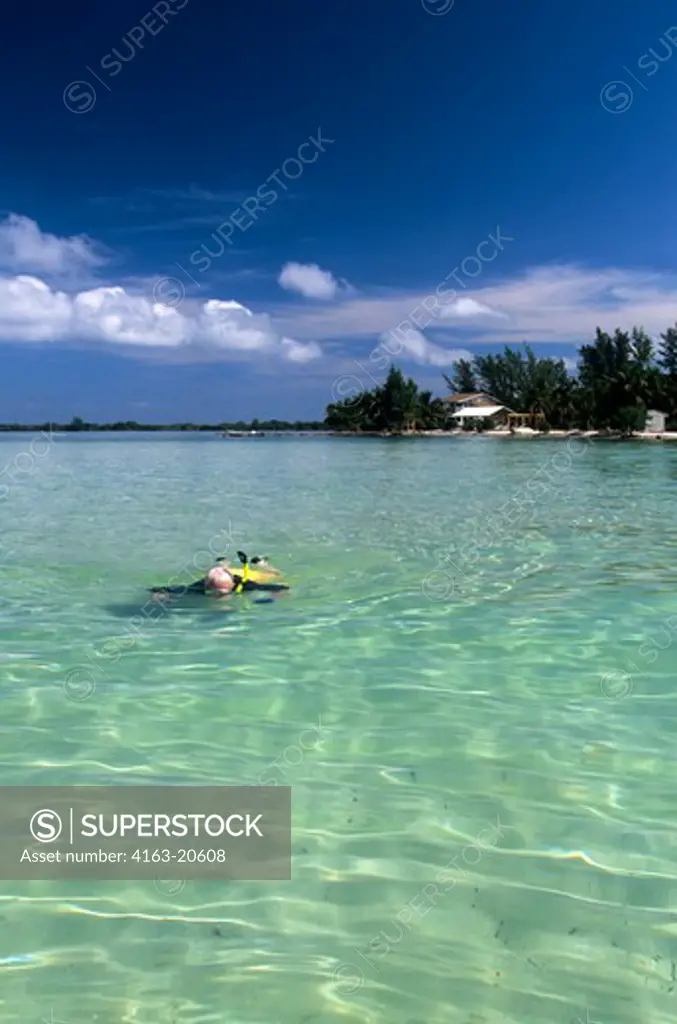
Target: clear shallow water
x=484, y=816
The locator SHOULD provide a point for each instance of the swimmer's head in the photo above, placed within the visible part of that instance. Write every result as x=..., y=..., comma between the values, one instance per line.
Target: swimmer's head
x=219, y=580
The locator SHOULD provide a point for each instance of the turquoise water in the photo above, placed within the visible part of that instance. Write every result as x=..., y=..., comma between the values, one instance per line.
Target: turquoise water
x=484, y=800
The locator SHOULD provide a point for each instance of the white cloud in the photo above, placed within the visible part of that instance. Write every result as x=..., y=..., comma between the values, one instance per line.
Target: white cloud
x=30, y=310
x=23, y=246
x=296, y=352
x=309, y=280
x=562, y=304
x=417, y=347
x=466, y=308
x=33, y=310
x=229, y=325
x=112, y=315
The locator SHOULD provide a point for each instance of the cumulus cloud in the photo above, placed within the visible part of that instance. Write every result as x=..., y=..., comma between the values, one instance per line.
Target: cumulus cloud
x=229, y=325
x=112, y=315
x=466, y=308
x=30, y=310
x=309, y=280
x=23, y=246
x=299, y=353
x=417, y=347
x=34, y=310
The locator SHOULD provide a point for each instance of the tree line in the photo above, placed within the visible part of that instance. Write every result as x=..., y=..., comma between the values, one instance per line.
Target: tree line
x=619, y=377
x=78, y=425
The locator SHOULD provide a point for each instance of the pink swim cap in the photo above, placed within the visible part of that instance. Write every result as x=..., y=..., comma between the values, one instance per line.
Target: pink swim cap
x=220, y=579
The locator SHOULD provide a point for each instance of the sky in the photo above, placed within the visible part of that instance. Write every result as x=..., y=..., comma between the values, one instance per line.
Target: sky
x=219, y=211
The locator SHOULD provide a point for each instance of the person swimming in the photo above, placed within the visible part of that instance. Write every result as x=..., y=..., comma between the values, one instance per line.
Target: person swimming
x=223, y=579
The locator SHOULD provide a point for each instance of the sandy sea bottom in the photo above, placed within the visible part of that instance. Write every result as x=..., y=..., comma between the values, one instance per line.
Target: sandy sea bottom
x=472, y=697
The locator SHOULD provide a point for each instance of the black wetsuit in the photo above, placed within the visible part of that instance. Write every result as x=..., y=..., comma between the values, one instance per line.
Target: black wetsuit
x=199, y=587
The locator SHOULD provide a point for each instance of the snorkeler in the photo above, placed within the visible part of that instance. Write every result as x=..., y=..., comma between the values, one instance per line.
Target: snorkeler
x=223, y=580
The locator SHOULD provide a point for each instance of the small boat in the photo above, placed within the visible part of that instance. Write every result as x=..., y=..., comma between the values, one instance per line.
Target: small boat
x=243, y=433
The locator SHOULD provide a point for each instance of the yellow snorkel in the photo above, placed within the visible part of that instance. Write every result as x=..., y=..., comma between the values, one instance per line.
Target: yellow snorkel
x=245, y=571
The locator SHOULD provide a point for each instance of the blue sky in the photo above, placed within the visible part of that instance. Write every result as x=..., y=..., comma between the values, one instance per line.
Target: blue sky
x=484, y=174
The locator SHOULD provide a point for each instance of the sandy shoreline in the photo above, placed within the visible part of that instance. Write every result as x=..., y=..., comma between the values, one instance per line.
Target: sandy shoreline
x=520, y=434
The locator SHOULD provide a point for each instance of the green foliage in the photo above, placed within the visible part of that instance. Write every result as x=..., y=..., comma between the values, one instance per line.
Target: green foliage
x=618, y=380
x=463, y=378
x=526, y=383
x=396, y=407
x=620, y=376
x=667, y=362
